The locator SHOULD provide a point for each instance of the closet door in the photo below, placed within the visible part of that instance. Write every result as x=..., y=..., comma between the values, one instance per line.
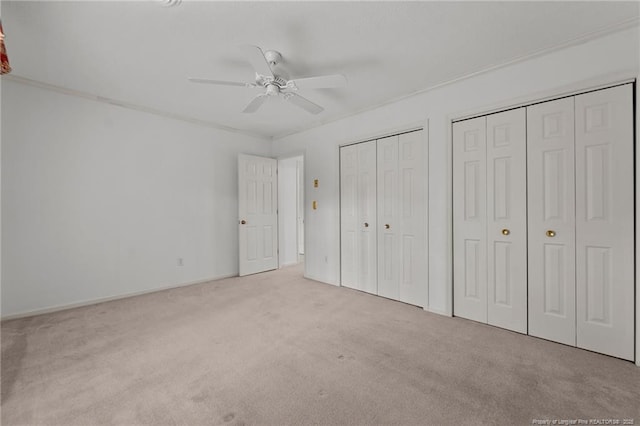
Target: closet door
x=507, y=220
x=388, y=213
x=349, y=218
x=469, y=219
x=367, y=268
x=551, y=220
x=412, y=219
x=604, y=221
x=358, y=216
x=402, y=218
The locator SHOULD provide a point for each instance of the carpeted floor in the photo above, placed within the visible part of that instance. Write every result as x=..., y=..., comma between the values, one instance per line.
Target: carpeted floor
x=277, y=349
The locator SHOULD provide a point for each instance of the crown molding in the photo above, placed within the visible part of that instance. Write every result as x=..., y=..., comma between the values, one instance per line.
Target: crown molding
x=129, y=105
x=593, y=35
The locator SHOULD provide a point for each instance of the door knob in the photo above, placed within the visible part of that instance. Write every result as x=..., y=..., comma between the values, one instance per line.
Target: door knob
x=551, y=233
x=243, y=222
x=505, y=232
x=366, y=225
x=387, y=226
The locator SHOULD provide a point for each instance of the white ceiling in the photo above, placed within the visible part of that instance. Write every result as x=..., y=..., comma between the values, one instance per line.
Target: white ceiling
x=141, y=53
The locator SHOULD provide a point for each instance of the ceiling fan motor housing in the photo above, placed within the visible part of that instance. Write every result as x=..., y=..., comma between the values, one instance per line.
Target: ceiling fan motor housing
x=277, y=80
x=273, y=57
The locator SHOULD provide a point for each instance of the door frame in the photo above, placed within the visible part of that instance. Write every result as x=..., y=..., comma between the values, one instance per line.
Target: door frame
x=601, y=82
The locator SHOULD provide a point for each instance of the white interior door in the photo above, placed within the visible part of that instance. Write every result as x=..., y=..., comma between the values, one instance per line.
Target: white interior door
x=507, y=220
x=358, y=216
x=469, y=219
x=411, y=220
x=604, y=221
x=349, y=218
x=551, y=220
x=367, y=268
x=257, y=210
x=388, y=219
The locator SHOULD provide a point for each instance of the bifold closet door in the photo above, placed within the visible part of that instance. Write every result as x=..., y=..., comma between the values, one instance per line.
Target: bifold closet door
x=507, y=220
x=402, y=218
x=358, y=216
x=581, y=223
x=470, y=219
x=490, y=251
x=604, y=221
x=551, y=220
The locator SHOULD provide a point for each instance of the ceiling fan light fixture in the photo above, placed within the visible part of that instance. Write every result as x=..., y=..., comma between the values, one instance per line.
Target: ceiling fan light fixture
x=273, y=90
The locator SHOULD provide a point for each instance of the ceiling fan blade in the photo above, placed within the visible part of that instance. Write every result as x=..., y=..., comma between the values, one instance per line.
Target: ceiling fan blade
x=221, y=82
x=303, y=103
x=320, y=82
x=256, y=57
x=256, y=102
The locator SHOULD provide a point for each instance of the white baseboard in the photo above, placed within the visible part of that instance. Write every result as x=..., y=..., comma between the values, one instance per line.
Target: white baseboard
x=438, y=311
x=312, y=278
x=107, y=299
x=286, y=264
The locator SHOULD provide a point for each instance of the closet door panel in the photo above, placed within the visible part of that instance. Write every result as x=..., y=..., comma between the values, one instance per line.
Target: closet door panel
x=411, y=221
x=551, y=220
x=349, y=219
x=367, y=253
x=469, y=219
x=388, y=212
x=604, y=221
x=507, y=220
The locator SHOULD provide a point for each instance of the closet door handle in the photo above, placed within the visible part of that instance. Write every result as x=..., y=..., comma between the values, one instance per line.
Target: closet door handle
x=366, y=225
x=551, y=233
x=505, y=232
x=243, y=222
x=387, y=226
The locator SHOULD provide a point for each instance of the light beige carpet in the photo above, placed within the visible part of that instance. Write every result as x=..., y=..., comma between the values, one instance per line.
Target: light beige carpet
x=277, y=349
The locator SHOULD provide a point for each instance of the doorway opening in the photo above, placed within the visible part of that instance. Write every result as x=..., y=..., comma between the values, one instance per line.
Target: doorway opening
x=291, y=211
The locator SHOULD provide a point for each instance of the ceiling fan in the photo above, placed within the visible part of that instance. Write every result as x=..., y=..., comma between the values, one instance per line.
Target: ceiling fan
x=278, y=84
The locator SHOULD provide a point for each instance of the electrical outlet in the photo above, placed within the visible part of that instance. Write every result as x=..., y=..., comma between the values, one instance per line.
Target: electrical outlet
x=180, y=261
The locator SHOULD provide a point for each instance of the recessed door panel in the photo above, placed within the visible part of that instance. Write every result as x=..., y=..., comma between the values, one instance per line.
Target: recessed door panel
x=554, y=276
x=551, y=220
x=470, y=219
x=506, y=220
x=605, y=222
x=472, y=277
